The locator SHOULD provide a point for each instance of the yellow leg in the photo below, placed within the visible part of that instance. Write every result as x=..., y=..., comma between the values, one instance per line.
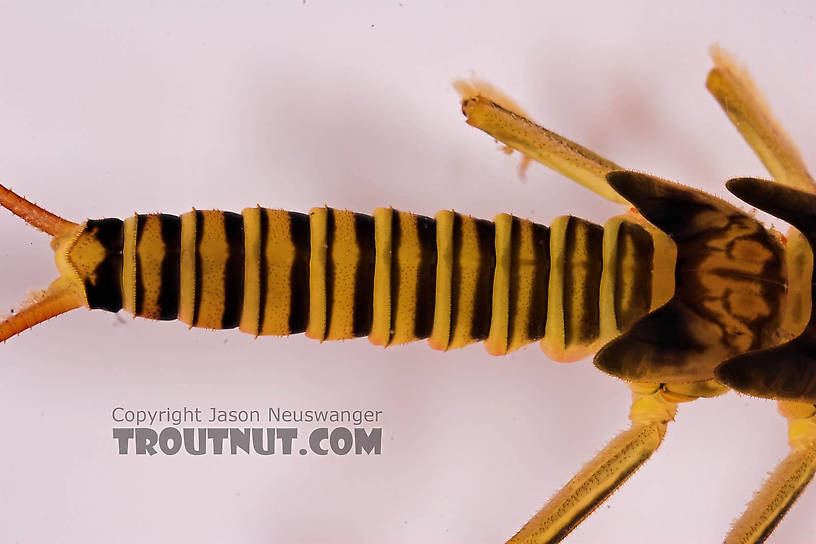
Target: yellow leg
x=739, y=98
x=786, y=483
x=487, y=110
x=652, y=409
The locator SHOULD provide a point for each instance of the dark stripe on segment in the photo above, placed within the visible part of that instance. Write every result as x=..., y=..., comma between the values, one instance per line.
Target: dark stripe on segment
x=140, y=225
x=537, y=319
x=587, y=293
x=483, y=296
x=363, y=311
x=170, y=267
x=515, y=261
x=233, y=270
x=396, y=242
x=636, y=241
x=426, y=277
x=264, y=269
x=199, y=227
x=299, y=276
x=456, y=273
x=330, y=232
x=105, y=292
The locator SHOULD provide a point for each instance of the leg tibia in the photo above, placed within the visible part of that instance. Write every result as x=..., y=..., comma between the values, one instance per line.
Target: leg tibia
x=562, y=155
x=736, y=93
x=786, y=483
x=590, y=487
x=599, y=478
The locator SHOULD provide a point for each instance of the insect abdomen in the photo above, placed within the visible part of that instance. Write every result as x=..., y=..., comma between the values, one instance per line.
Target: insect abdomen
x=394, y=276
x=151, y=256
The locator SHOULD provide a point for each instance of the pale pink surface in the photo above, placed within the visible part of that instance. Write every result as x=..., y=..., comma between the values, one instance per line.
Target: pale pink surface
x=119, y=108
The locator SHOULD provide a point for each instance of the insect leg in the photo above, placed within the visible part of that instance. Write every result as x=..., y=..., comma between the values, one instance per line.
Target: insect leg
x=652, y=409
x=786, y=483
x=504, y=121
x=732, y=87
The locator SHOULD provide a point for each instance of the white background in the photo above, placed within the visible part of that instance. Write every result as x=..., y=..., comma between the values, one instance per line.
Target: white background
x=111, y=108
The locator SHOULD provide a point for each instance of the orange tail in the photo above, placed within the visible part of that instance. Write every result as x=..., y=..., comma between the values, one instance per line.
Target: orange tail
x=58, y=300
x=32, y=214
x=60, y=297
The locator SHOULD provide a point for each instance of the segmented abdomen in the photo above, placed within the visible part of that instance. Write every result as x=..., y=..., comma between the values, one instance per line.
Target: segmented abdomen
x=394, y=276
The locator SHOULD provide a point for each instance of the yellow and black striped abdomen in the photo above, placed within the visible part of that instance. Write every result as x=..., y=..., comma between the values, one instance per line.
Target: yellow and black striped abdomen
x=394, y=276
x=218, y=269
x=404, y=277
x=520, y=284
x=276, y=295
x=341, y=281
x=151, y=262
